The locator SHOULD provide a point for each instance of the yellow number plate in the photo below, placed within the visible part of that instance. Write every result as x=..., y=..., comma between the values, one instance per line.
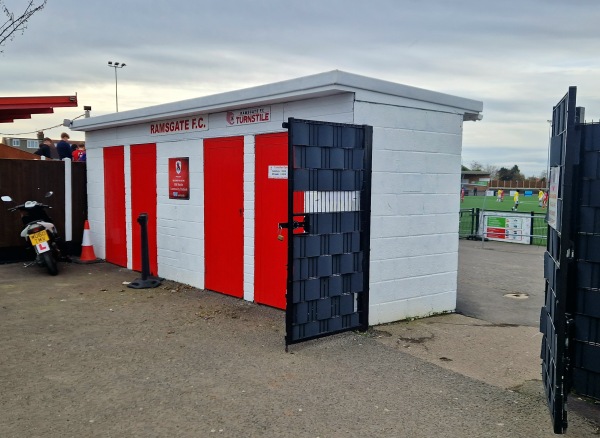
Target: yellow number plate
x=39, y=237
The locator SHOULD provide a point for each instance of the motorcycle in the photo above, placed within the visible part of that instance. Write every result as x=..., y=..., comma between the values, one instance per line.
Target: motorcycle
x=40, y=232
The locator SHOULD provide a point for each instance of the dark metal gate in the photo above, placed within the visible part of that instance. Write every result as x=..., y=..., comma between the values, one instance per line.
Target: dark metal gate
x=570, y=318
x=586, y=306
x=329, y=209
x=554, y=322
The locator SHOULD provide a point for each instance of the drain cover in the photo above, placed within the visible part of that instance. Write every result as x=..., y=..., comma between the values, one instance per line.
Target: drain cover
x=517, y=296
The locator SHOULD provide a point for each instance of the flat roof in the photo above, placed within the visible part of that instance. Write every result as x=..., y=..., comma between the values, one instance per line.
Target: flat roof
x=321, y=84
x=474, y=172
x=12, y=108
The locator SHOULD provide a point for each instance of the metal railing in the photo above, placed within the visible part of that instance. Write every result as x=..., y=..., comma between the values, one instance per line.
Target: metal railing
x=470, y=219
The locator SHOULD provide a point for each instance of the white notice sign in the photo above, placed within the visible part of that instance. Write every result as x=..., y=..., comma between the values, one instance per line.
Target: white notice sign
x=278, y=172
x=553, y=196
x=248, y=116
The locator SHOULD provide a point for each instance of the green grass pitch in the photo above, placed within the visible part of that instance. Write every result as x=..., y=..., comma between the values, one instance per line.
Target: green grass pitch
x=527, y=204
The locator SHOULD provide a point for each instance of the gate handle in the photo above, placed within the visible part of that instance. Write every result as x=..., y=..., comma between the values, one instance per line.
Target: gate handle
x=295, y=224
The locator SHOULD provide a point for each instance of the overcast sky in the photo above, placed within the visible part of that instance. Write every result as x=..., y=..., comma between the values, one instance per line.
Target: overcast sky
x=516, y=56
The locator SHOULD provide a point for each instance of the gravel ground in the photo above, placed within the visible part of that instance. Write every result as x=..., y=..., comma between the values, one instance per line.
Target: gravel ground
x=82, y=355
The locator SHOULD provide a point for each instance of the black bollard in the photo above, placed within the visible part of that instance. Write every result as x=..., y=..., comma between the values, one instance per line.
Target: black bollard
x=147, y=281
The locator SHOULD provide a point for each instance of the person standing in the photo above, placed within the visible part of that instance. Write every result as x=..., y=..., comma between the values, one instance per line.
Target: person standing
x=63, y=147
x=462, y=194
x=516, y=199
x=53, y=152
x=43, y=150
x=79, y=153
x=540, y=197
x=500, y=196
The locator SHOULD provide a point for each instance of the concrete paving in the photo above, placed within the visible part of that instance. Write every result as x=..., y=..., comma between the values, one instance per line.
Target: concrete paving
x=83, y=355
x=500, y=282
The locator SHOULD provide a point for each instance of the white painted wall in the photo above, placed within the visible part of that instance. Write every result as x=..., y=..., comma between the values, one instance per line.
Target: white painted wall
x=128, y=213
x=415, y=199
x=180, y=223
x=335, y=108
x=95, y=194
x=415, y=202
x=249, y=215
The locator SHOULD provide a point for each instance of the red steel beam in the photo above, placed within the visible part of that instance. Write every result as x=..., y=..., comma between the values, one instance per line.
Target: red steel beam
x=38, y=101
x=12, y=108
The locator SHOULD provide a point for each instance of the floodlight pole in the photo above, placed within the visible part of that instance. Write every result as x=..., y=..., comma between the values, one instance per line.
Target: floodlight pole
x=116, y=65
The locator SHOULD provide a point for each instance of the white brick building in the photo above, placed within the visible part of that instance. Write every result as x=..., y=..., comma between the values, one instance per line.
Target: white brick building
x=416, y=165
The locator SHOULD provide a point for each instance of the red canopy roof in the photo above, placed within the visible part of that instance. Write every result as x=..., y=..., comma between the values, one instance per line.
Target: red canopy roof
x=12, y=108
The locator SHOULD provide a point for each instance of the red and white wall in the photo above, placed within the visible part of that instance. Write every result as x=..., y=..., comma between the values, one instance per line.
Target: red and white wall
x=213, y=240
x=224, y=237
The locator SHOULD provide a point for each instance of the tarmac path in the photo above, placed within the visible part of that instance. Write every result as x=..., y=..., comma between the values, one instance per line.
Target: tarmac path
x=500, y=282
x=82, y=355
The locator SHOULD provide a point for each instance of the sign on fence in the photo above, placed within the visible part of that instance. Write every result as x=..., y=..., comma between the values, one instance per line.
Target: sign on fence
x=506, y=226
x=553, y=197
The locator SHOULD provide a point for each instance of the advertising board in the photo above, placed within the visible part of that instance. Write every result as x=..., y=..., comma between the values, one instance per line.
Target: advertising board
x=506, y=226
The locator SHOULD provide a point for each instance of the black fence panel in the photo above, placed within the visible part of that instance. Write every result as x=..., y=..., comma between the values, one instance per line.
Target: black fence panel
x=329, y=223
x=570, y=318
x=468, y=223
x=555, y=321
x=585, y=306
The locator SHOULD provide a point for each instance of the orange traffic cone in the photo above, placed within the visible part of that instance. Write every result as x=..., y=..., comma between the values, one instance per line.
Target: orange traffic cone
x=87, y=250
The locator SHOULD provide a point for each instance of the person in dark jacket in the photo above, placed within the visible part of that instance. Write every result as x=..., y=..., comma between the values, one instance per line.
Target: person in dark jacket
x=53, y=152
x=63, y=147
x=43, y=151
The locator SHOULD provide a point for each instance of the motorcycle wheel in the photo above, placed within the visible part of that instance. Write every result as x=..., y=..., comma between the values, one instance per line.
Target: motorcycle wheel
x=50, y=262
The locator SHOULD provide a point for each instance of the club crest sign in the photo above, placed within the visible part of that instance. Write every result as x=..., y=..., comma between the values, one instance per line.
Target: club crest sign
x=179, y=178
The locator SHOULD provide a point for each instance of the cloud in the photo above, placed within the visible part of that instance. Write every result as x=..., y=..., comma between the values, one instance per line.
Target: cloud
x=517, y=57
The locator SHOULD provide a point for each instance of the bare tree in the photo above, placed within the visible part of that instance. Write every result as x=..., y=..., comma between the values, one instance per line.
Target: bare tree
x=491, y=169
x=476, y=165
x=14, y=22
